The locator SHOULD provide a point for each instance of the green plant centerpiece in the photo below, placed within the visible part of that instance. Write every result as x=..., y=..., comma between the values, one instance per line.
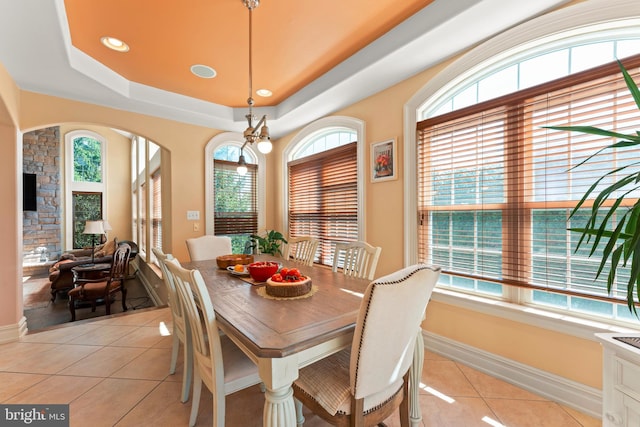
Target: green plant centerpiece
x=622, y=242
x=270, y=243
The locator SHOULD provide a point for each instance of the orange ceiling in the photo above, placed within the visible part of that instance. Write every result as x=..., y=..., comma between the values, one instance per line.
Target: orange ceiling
x=294, y=41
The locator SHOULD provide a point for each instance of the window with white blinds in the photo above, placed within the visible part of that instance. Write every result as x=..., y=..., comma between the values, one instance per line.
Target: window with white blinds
x=323, y=198
x=495, y=188
x=156, y=202
x=236, y=206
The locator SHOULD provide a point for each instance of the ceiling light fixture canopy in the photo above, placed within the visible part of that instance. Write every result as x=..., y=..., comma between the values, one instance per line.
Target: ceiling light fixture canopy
x=259, y=133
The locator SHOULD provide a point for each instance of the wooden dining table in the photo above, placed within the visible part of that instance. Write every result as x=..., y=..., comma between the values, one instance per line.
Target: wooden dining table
x=283, y=335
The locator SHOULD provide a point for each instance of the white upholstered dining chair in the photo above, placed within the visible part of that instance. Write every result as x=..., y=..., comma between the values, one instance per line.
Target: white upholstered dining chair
x=208, y=247
x=301, y=249
x=359, y=259
x=218, y=362
x=180, y=332
x=364, y=385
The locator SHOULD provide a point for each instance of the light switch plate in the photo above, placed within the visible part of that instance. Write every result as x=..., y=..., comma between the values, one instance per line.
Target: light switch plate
x=193, y=215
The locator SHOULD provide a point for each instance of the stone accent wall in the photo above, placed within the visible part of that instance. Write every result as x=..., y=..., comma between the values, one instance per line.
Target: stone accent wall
x=43, y=228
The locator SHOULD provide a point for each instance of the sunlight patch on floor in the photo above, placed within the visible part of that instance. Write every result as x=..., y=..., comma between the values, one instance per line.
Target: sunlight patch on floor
x=164, y=331
x=492, y=422
x=436, y=393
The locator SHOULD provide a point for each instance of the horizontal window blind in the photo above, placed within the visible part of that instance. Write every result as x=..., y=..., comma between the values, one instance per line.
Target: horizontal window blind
x=323, y=198
x=236, y=207
x=156, y=232
x=495, y=188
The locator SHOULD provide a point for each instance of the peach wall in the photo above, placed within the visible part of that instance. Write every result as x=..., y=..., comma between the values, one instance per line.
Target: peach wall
x=185, y=142
x=572, y=358
x=11, y=224
x=564, y=355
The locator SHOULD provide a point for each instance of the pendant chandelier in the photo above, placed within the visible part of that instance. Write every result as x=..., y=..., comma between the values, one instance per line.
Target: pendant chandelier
x=259, y=133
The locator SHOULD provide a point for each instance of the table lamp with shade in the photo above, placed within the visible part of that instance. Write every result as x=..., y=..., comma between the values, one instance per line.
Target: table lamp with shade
x=93, y=228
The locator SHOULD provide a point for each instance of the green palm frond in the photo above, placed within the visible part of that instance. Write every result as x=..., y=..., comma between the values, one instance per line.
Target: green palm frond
x=622, y=243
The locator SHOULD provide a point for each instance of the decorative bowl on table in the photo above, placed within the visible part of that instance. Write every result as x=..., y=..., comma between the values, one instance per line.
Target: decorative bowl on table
x=225, y=261
x=260, y=271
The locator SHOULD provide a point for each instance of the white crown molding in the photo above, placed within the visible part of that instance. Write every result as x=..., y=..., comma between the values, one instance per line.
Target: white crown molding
x=415, y=45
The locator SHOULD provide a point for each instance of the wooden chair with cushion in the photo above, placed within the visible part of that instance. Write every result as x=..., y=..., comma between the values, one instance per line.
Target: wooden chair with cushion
x=61, y=274
x=218, y=362
x=301, y=249
x=93, y=290
x=180, y=332
x=359, y=259
x=364, y=385
x=208, y=247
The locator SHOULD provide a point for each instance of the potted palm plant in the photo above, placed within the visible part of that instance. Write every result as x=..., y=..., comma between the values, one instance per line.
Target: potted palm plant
x=621, y=244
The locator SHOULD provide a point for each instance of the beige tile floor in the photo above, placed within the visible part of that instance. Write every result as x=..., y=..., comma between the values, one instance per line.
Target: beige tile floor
x=114, y=372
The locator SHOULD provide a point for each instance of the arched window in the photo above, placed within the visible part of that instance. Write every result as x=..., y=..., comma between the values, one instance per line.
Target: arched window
x=495, y=213
x=324, y=183
x=85, y=160
x=234, y=202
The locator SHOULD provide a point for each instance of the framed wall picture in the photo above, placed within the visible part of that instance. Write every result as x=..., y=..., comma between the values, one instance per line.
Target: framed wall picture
x=383, y=161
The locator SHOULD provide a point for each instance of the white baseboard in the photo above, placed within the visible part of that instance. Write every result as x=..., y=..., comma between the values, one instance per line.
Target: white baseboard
x=580, y=397
x=155, y=299
x=11, y=333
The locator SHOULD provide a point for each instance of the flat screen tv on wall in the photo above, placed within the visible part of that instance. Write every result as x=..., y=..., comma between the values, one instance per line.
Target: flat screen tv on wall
x=29, y=200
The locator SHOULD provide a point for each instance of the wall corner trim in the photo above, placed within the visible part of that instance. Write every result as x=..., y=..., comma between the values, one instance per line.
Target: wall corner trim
x=11, y=333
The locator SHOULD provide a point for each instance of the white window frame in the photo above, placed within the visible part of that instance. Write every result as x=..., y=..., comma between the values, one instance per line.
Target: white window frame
x=303, y=137
x=73, y=186
x=237, y=140
x=557, y=28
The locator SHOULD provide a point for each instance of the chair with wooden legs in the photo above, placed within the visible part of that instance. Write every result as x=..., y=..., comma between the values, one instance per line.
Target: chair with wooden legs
x=359, y=259
x=364, y=385
x=103, y=288
x=218, y=362
x=180, y=332
x=301, y=249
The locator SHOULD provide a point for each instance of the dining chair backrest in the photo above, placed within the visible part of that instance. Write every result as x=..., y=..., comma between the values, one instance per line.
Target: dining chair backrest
x=236, y=372
x=359, y=259
x=364, y=384
x=176, y=310
x=180, y=331
x=301, y=249
x=390, y=316
x=120, y=263
x=198, y=311
x=208, y=247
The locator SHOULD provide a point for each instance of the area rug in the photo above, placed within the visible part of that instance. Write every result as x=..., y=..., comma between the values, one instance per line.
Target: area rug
x=36, y=293
x=42, y=313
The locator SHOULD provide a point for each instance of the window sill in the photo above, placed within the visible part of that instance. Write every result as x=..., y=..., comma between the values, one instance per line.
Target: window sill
x=557, y=322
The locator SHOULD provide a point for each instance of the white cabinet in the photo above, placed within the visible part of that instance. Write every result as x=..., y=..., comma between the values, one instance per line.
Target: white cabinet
x=620, y=380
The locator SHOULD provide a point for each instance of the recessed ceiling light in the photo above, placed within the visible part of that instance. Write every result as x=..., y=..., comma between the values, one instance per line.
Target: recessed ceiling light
x=203, y=71
x=264, y=93
x=115, y=44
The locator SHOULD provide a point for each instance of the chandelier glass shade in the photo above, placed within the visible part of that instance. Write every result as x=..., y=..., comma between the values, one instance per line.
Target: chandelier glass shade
x=258, y=133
